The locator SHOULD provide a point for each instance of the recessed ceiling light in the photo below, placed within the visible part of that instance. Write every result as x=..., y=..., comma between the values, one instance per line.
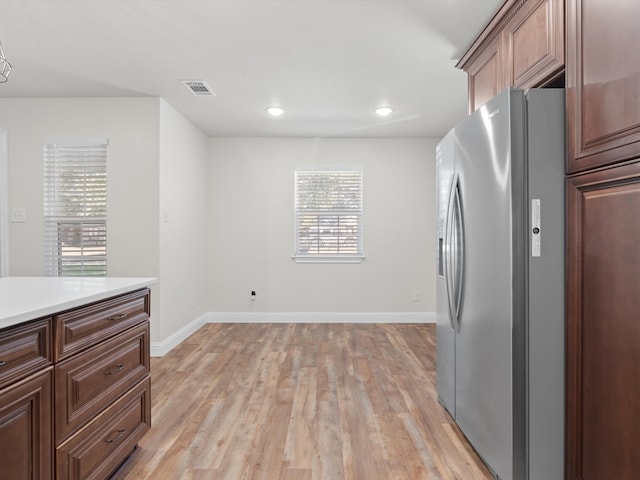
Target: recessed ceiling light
x=275, y=111
x=384, y=111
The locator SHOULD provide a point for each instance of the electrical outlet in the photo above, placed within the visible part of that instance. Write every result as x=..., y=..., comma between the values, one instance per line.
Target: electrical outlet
x=253, y=295
x=416, y=295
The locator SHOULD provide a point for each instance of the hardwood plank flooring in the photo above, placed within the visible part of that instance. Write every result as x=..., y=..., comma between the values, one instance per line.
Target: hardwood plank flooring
x=301, y=402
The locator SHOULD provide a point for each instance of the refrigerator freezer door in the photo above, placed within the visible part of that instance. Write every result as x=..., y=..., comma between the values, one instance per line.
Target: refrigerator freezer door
x=445, y=337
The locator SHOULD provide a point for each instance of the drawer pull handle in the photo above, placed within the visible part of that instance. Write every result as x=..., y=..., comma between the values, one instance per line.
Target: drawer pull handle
x=120, y=435
x=117, y=369
x=117, y=317
x=2, y=364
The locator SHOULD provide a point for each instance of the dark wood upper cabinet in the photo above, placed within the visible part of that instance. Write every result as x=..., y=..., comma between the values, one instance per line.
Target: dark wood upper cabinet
x=485, y=75
x=603, y=82
x=522, y=46
x=534, y=43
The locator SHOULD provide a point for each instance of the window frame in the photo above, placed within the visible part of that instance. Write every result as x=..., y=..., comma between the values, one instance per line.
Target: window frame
x=81, y=202
x=358, y=212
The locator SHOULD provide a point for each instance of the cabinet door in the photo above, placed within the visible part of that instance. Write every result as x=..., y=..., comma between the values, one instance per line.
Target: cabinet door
x=486, y=75
x=603, y=327
x=535, y=43
x=25, y=429
x=603, y=82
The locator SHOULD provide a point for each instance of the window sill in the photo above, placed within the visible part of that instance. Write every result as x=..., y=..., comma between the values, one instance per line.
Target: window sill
x=328, y=258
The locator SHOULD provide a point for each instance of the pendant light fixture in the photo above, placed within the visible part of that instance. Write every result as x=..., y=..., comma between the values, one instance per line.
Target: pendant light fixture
x=5, y=67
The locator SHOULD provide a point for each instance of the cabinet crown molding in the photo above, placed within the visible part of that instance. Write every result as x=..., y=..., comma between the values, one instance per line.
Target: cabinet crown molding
x=491, y=31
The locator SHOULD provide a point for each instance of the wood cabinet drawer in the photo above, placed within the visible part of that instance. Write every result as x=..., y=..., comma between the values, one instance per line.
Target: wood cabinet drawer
x=92, y=380
x=84, y=327
x=24, y=350
x=99, y=448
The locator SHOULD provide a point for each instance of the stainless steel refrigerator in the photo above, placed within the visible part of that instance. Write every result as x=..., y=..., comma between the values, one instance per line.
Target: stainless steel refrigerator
x=500, y=282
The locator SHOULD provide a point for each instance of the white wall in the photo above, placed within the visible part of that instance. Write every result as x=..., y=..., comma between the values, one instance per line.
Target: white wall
x=184, y=163
x=131, y=126
x=157, y=162
x=251, y=227
x=229, y=212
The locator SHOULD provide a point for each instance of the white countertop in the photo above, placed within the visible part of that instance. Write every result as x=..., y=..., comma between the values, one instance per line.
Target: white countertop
x=29, y=298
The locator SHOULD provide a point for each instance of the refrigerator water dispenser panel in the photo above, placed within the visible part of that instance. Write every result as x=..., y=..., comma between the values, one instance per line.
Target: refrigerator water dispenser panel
x=535, y=227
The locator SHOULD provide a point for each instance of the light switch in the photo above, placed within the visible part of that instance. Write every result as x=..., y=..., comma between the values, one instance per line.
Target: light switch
x=18, y=215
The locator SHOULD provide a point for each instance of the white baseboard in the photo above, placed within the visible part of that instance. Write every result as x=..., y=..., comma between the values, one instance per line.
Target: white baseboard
x=159, y=349
x=321, y=317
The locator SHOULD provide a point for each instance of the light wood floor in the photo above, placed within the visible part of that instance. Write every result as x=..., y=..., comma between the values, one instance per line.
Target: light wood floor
x=303, y=402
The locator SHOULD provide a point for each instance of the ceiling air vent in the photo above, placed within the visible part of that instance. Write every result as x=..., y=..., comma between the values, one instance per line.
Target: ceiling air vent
x=198, y=87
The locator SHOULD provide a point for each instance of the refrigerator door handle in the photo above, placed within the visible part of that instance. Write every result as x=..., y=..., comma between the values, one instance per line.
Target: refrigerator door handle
x=454, y=259
x=449, y=254
x=460, y=251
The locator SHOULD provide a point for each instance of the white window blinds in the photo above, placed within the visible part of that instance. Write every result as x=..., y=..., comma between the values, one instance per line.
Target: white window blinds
x=328, y=209
x=75, y=209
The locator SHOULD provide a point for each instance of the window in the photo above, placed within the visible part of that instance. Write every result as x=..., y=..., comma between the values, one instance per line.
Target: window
x=328, y=210
x=75, y=209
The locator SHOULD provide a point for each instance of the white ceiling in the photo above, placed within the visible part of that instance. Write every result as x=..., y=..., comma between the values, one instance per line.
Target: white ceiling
x=329, y=63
